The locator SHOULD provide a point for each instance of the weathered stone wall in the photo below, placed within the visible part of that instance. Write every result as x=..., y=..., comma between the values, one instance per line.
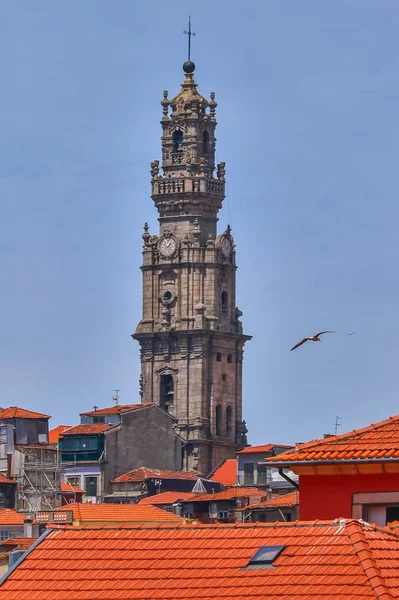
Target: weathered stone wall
x=145, y=438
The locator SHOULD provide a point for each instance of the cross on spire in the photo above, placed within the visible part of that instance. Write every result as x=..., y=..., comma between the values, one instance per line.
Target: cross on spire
x=189, y=33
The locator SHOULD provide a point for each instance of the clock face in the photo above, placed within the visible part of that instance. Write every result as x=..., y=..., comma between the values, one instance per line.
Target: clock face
x=225, y=246
x=167, y=246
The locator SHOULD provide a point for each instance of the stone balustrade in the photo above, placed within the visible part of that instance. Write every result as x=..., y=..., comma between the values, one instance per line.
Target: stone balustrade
x=178, y=185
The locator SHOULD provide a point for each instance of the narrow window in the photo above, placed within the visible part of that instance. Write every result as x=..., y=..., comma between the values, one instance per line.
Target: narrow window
x=248, y=474
x=224, y=301
x=218, y=357
x=166, y=392
x=218, y=420
x=224, y=377
x=262, y=474
x=177, y=141
x=229, y=421
x=229, y=358
x=205, y=141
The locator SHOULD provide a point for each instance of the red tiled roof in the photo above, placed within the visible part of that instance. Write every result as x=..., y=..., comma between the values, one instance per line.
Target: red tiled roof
x=320, y=560
x=284, y=501
x=166, y=498
x=86, y=429
x=54, y=434
x=4, y=479
x=116, y=409
x=85, y=511
x=66, y=488
x=233, y=492
x=14, y=412
x=9, y=516
x=23, y=542
x=261, y=449
x=376, y=443
x=226, y=472
x=144, y=473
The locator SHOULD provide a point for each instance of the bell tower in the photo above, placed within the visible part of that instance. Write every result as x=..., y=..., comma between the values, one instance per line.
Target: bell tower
x=191, y=338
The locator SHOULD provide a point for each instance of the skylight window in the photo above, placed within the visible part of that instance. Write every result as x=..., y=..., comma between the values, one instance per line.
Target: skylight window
x=265, y=557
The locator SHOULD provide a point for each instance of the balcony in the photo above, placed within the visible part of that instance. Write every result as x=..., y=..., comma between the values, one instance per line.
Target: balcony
x=179, y=185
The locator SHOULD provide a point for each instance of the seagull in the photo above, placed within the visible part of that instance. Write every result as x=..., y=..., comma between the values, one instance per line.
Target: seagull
x=314, y=338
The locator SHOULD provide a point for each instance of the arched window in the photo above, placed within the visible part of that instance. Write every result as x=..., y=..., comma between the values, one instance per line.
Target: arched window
x=177, y=140
x=166, y=395
x=218, y=420
x=224, y=301
x=229, y=421
x=205, y=142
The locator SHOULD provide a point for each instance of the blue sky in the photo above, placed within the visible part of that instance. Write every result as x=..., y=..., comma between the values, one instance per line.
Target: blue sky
x=308, y=96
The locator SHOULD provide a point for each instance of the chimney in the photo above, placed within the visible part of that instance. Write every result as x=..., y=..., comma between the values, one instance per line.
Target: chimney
x=327, y=435
x=28, y=528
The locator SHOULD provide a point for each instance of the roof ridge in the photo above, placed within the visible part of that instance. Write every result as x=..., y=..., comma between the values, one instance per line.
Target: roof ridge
x=356, y=535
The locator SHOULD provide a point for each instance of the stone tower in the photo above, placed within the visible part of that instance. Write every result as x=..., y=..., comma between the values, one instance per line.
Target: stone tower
x=190, y=336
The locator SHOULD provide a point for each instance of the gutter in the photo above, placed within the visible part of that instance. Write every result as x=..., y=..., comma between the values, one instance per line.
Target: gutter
x=22, y=558
x=312, y=463
x=291, y=481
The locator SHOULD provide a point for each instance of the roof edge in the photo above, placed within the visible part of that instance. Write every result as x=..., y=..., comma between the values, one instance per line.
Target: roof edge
x=22, y=558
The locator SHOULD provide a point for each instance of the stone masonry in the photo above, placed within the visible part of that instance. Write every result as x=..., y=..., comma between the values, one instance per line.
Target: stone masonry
x=190, y=335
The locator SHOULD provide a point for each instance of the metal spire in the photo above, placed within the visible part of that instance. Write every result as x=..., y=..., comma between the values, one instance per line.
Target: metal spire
x=189, y=33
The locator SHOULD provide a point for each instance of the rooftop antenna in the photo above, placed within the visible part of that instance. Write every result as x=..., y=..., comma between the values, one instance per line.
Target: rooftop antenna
x=116, y=397
x=189, y=33
x=337, y=424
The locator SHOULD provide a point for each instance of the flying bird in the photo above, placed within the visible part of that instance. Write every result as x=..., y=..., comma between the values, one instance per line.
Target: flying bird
x=314, y=338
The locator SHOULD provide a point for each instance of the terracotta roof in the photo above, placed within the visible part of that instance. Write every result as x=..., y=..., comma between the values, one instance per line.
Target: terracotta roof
x=14, y=412
x=226, y=472
x=144, y=473
x=54, y=434
x=284, y=501
x=4, y=479
x=9, y=516
x=376, y=443
x=233, y=492
x=165, y=498
x=116, y=409
x=23, y=542
x=87, y=429
x=66, y=488
x=85, y=511
x=261, y=449
x=321, y=560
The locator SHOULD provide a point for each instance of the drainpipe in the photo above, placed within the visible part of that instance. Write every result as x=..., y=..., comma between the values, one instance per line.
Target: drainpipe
x=291, y=481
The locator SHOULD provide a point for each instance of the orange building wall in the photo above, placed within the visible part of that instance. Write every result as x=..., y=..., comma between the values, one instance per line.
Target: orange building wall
x=330, y=496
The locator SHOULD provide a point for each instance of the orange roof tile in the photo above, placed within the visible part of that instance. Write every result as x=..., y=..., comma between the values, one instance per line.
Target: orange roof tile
x=165, y=498
x=261, y=449
x=66, y=488
x=116, y=409
x=321, y=560
x=378, y=442
x=4, y=479
x=85, y=511
x=23, y=542
x=144, y=473
x=54, y=434
x=233, y=492
x=284, y=501
x=14, y=412
x=86, y=429
x=9, y=516
x=226, y=472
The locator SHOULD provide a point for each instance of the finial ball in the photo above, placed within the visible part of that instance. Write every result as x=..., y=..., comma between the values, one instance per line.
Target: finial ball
x=189, y=66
